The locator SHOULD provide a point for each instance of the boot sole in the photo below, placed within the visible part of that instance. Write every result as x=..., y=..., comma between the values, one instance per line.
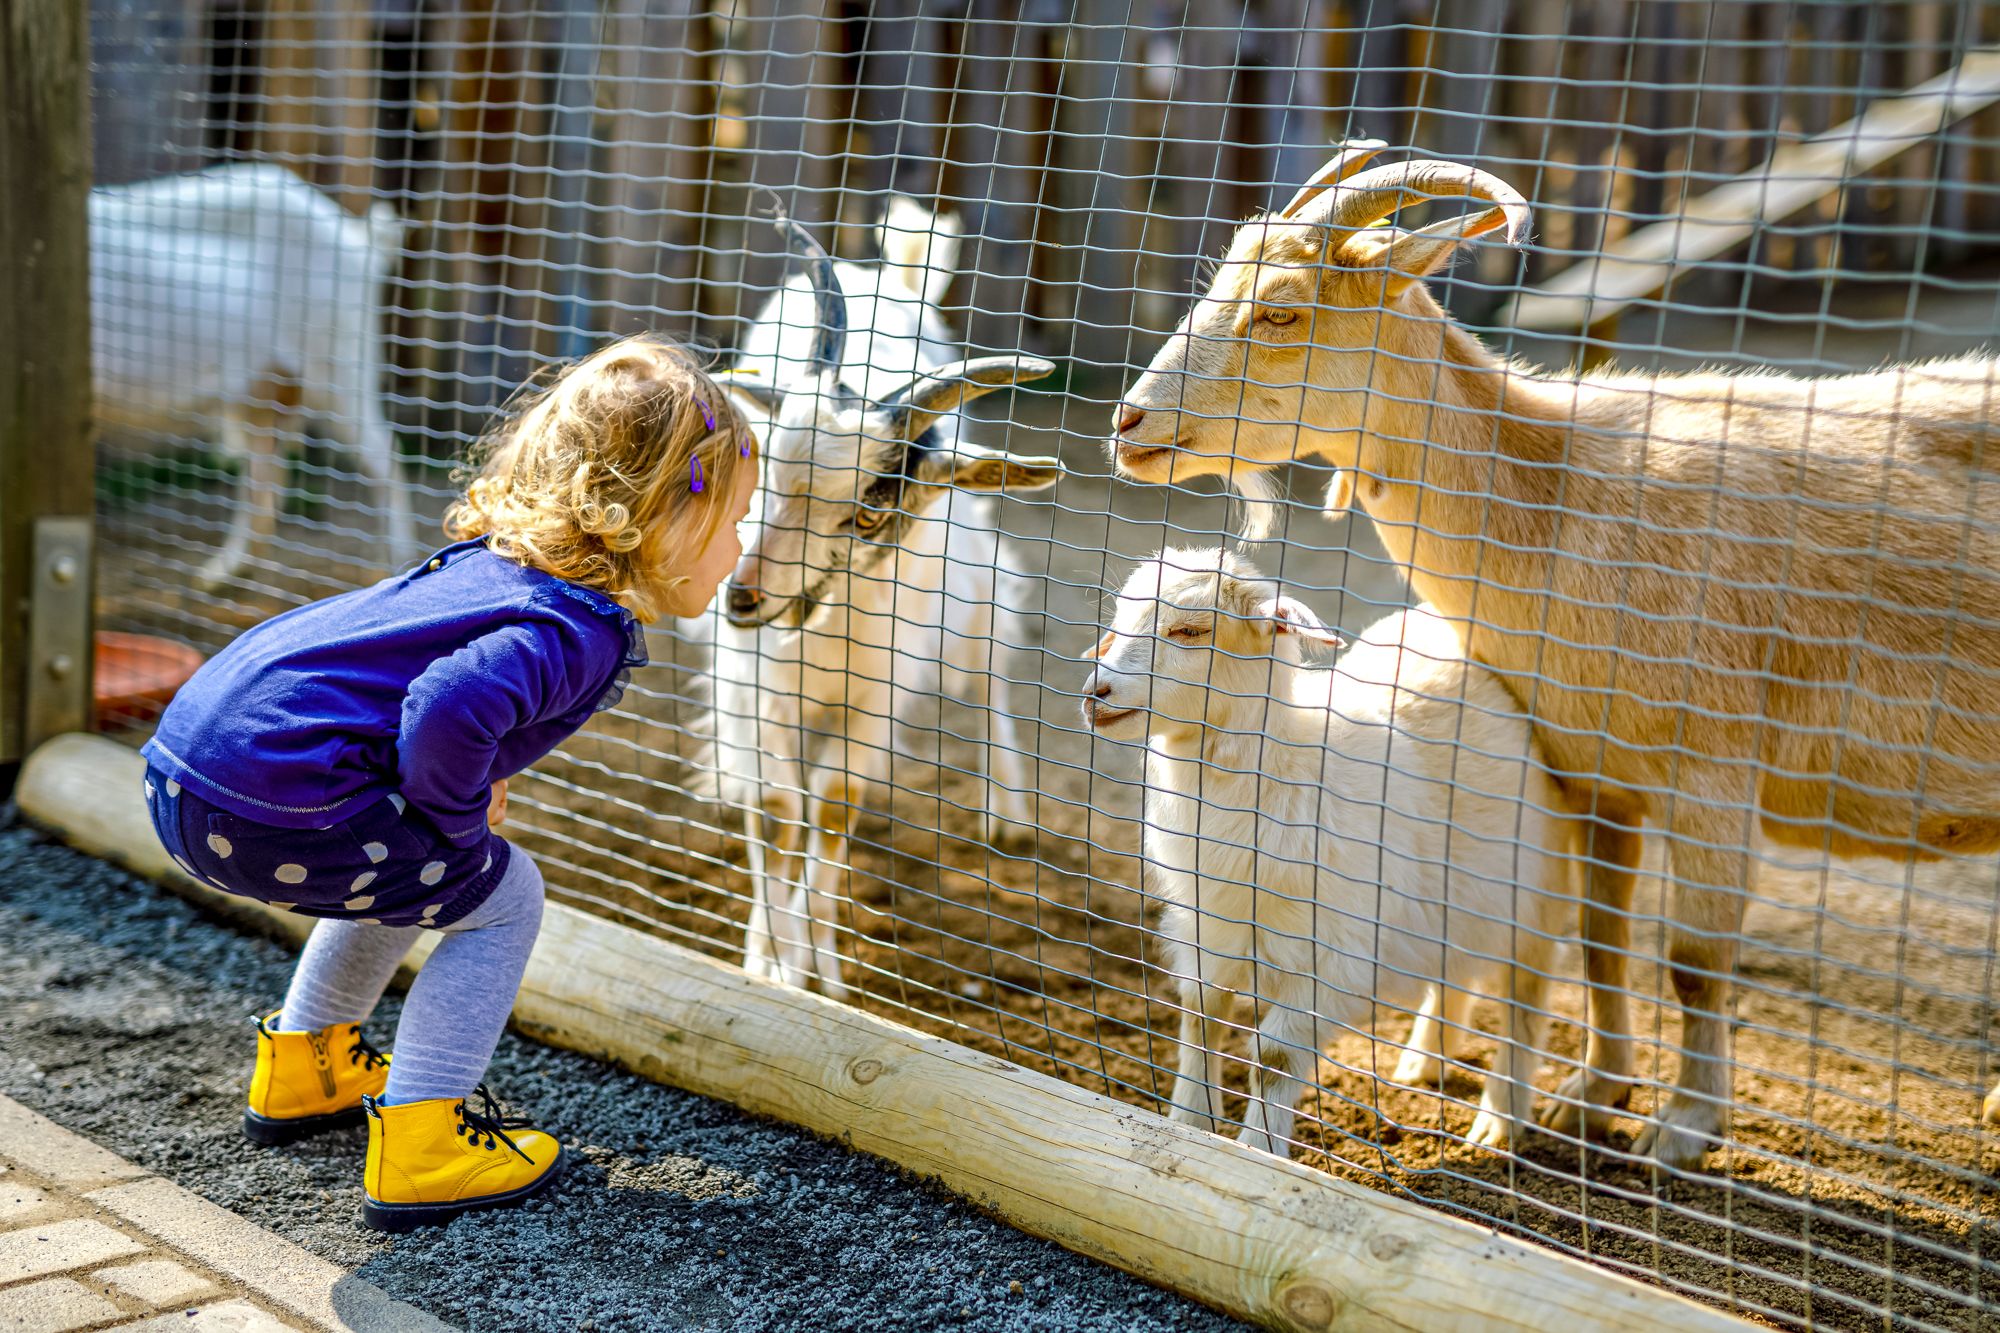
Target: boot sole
x=267, y=1132
x=400, y=1217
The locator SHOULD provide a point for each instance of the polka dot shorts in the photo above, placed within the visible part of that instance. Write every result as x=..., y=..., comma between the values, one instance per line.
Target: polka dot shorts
x=387, y=865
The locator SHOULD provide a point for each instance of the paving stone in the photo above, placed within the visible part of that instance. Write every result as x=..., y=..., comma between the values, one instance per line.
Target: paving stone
x=158, y=1282
x=19, y=1200
x=55, y=1247
x=229, y=1317
x=53, y=1305
x=65, y=1160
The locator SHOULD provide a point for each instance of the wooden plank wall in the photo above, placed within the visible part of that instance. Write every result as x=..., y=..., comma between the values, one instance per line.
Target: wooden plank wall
x=584, y=167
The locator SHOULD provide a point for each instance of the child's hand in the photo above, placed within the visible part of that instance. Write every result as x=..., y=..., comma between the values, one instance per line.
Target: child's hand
x=496, y=809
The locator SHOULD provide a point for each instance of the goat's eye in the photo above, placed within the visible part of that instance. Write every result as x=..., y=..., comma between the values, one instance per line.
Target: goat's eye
x=1187, y=633
x=1273, y=314
x=867, y=520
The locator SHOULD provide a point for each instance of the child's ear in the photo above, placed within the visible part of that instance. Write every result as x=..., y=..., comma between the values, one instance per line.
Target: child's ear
x=1290, y=616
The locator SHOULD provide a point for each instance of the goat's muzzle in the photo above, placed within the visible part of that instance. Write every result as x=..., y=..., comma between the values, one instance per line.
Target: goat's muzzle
x=1098, y=710
x=746, y=606
x=1140, y=458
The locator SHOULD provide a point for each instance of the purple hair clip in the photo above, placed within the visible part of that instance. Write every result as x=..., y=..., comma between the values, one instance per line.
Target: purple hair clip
x=694, y=475
x=706, y=415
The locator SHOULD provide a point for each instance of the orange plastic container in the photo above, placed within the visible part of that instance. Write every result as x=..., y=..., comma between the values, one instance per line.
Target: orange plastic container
x=138, y=675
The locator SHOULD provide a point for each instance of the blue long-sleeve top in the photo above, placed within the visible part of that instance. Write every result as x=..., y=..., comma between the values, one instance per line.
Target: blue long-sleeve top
x=436, y=683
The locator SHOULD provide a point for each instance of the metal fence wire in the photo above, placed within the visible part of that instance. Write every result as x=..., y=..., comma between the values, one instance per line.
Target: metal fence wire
x=1754, y=615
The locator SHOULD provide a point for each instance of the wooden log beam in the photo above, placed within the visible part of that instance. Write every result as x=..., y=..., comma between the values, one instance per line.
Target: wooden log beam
x=1797, y=177
x=1246, y=1232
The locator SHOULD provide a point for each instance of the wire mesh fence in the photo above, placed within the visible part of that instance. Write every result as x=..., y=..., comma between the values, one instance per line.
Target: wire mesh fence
x=1734, y=631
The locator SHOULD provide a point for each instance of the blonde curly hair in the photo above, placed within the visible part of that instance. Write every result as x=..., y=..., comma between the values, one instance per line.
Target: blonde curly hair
x=591, y=475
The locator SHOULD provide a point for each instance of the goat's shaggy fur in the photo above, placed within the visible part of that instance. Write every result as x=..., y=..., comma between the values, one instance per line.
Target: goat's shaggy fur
x=1733, y=603
x=1335, y=843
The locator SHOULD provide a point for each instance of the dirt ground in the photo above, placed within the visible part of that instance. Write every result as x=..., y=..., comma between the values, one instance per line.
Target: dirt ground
x=1857, y=1189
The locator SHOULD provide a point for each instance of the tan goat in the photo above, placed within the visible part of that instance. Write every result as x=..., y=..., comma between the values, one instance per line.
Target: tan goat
x=1732, y=602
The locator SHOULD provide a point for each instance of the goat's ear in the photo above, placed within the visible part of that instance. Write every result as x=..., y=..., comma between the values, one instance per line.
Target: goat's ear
x=1416, y=255
x=976, y=468
x=915, y=407
x=1340, y=492
x=1291, y=616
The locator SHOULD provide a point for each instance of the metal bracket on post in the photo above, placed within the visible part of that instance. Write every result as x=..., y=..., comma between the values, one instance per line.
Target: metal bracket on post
x=60, y=646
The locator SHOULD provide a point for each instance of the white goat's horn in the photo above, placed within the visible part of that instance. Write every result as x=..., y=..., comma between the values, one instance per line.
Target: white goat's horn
x=1374, y=195
x=915, y=408
x=1354, y=155
x=830, y=341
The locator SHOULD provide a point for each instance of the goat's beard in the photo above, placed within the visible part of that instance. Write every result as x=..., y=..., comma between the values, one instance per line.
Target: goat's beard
x=1258, y=498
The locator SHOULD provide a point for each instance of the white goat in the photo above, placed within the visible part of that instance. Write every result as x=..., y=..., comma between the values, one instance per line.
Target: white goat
x=869, y=577
x=1331, y=843
x=1733, y=603
x=223, y=300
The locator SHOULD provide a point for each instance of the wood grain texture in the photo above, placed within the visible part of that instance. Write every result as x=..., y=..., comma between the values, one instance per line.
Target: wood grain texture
x=1261, y=1238
x=45, y=432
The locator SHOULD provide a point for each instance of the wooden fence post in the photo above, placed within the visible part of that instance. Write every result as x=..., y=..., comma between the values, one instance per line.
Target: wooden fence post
x=320, y=88
x=657, y=94
x=45, y=433
x=797, y=109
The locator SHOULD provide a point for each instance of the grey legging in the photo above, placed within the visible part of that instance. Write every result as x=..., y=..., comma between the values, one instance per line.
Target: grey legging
x=459, y=1002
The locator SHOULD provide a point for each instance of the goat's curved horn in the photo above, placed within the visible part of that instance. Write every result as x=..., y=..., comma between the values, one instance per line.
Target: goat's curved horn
x=830, y=340
x=1374, y=195
x=1354, y=155
x=915, y=408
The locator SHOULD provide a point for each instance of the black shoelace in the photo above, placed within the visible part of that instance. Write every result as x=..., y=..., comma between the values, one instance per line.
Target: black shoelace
x=363, y=1053
x=487, y=1124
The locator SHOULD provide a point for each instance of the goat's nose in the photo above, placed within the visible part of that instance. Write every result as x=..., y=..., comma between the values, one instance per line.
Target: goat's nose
x=743, y=600
x=1103, y=691
x=1129, y=416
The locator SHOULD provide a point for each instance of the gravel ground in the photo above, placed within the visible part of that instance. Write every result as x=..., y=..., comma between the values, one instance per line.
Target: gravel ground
x=123, y=1015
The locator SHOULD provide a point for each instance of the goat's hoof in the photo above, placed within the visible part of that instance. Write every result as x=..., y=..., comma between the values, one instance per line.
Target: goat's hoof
x=1675, y=1146
x=1263, y=1142
x=1497, y=1132
x=1990, y=1111
x=1180, y=1115
x=1584, y=1107
x=1007, y=835
x=1418, y=1069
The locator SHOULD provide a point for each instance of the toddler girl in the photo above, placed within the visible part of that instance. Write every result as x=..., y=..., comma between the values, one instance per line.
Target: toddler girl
x=349, y=759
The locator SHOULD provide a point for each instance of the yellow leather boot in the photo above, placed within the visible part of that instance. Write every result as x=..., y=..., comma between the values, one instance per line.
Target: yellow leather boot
x=309, y=1082
x=430, y=1161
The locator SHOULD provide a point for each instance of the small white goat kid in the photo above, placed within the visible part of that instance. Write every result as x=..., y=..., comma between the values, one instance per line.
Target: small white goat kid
x=224, y=300
x=1332, y=843
x=869, y=578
